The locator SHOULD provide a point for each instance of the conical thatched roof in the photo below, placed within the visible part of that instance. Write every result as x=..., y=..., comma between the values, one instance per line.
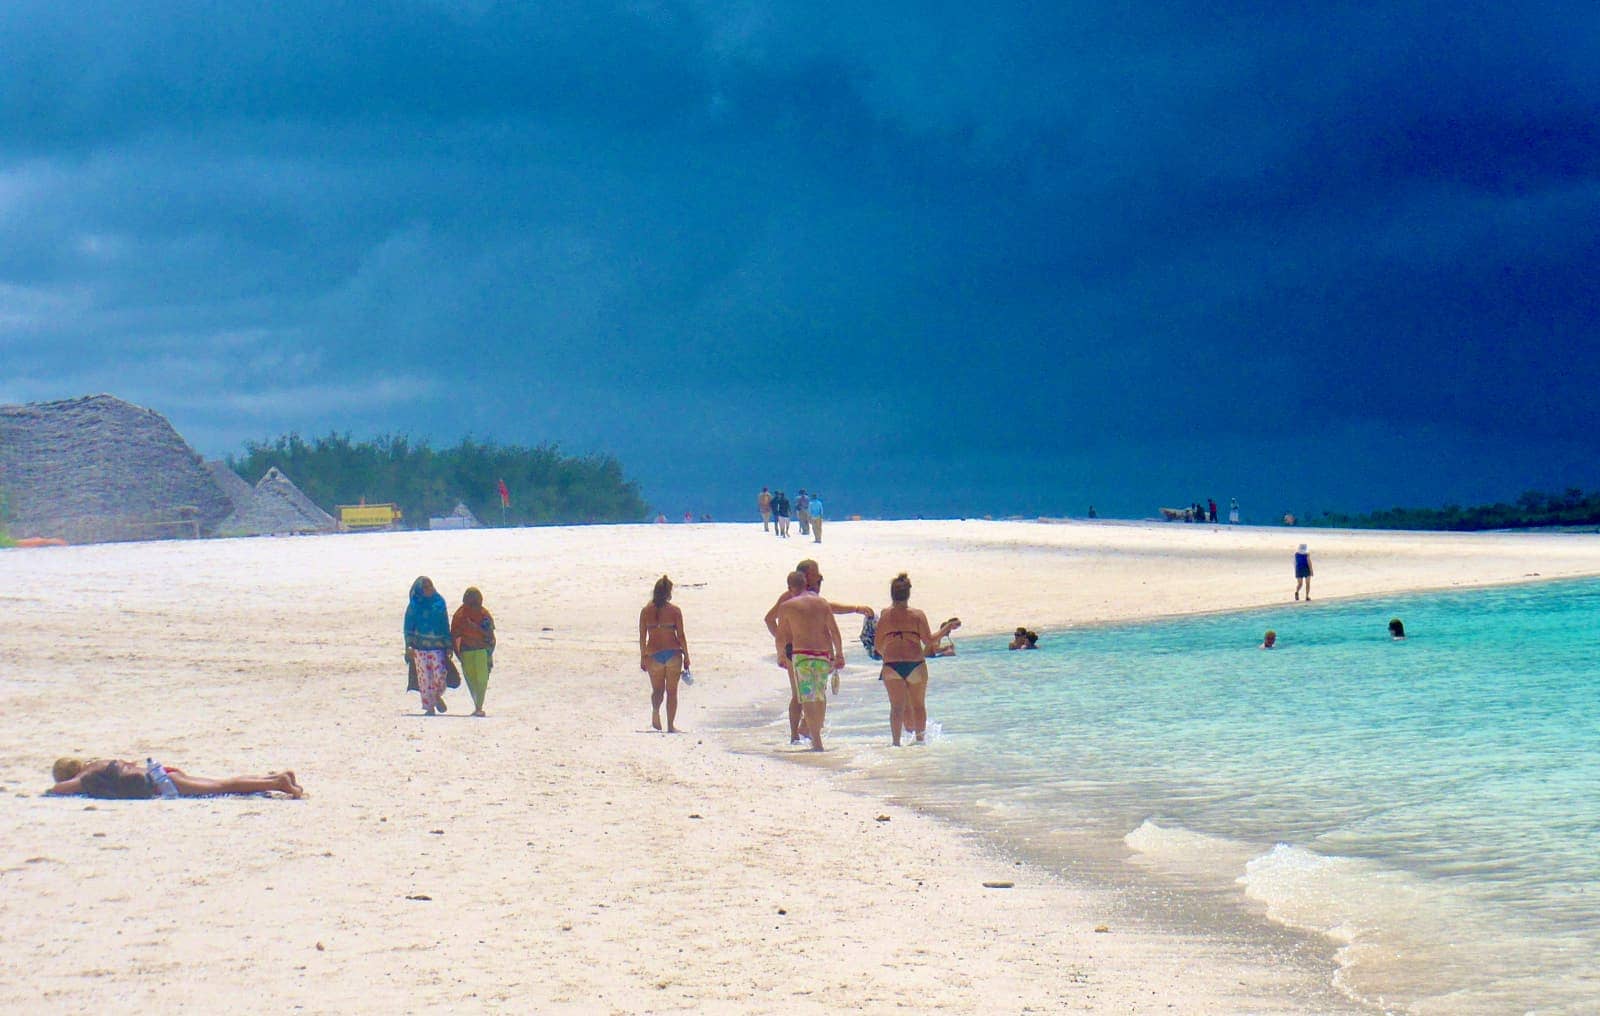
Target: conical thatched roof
x=97, y=468
x=232, y=484
x=277, y=506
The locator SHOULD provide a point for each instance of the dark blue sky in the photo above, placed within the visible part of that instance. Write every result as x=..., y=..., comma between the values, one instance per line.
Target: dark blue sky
x=928, y=258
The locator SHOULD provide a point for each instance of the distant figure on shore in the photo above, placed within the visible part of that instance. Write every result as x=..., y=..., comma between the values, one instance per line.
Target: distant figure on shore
x=661, y=518
x=1269, y=640
x=807, y=630
x=1397, y=629
x=816, y=518
x=1092, y=514
x=1302, y=571
x=1233, y=511
x=688, y=517
x=472, y=632
x=1211, y=509
x=112, y=779
x=802, y=512
x=663, y=652
x=780, y=513
x=1289, y=519
x=812, y=573
x=904, y=641
x=764, y=506
x=427, y=632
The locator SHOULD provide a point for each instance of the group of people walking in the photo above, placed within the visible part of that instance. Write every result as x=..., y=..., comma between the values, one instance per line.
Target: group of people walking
x=775, y=511
x=433, y=636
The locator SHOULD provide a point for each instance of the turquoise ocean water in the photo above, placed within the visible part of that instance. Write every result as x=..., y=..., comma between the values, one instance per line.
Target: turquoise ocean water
x=1432, y=806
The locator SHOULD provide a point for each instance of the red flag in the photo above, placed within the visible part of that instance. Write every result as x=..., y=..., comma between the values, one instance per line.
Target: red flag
x=505, y=495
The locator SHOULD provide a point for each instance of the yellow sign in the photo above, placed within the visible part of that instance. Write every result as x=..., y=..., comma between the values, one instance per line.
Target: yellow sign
x=368, y=516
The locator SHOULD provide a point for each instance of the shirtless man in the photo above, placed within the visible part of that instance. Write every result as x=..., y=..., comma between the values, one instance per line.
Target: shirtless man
x=764, y=506
x=806, y=623
x=813, y=583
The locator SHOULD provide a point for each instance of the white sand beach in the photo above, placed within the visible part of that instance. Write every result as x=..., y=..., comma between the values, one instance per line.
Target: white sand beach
x=557, y=855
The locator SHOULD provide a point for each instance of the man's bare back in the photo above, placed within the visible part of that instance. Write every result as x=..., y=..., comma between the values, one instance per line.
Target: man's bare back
x=805, y=623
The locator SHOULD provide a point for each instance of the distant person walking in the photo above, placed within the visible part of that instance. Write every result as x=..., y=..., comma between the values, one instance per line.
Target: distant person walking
x=780, y=511
x=427, y=631
x=1211, y=509
x=663, y=652
x=764, y=506
x=802, y=512
x=1302, y=571
x=904, y=641
x=472, y=631
x=816, y=518
x=1233, y=511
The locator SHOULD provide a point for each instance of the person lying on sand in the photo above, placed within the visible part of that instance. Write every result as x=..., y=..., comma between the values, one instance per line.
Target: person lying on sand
x=114, y=779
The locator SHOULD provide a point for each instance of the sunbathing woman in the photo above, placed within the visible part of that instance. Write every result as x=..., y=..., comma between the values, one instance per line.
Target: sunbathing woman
x=115, y=779
x=663, y=652
x=904, y=641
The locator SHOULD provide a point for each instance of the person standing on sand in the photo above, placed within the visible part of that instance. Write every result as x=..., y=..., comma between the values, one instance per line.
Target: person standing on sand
x=813, y=583
x=472, y=632
x=663, y=652
x=802, y=512
x=1211, y=509
x=816, y=518
x=1302, y=572
x=806, y=623
x=903, y=640
x=427, y=631
x=780, y=514
x=1233, y=511
x=764, y=506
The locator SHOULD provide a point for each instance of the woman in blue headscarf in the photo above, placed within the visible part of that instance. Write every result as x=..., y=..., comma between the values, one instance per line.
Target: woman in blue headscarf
x=428, y=642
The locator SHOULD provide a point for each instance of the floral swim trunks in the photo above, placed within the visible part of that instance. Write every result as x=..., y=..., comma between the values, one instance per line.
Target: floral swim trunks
x=811, y=677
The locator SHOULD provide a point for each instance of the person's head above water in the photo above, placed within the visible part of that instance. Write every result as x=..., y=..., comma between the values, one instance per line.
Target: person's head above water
x=900, y=588
x=1269, y=639
x=1397, y=628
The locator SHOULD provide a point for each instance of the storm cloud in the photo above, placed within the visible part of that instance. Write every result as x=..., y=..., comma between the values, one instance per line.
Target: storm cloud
x=927, y=258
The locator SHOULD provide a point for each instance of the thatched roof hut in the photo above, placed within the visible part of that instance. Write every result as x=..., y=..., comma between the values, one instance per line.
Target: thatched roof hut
x=97, y=469
x=277, y=507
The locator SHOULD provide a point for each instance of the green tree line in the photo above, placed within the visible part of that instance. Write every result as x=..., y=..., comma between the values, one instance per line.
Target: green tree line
x=546, y=486
x=1533, y=509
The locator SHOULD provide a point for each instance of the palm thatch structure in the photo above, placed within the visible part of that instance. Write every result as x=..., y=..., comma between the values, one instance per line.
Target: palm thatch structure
x=98, y=469
x=276, y=507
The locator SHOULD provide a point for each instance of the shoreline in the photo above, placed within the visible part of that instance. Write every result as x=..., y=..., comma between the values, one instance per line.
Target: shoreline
x=252, y=654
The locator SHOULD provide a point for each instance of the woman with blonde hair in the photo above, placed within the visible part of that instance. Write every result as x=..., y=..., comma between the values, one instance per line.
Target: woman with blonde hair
x=904, y=641
x=663, y=652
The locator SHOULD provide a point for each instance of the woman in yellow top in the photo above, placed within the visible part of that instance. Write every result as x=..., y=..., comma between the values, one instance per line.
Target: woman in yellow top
x=663, y=652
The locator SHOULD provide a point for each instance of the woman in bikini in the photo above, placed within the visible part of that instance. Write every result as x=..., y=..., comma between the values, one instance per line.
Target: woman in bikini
x=115, y=779
x=903, y=640
x=663, y=652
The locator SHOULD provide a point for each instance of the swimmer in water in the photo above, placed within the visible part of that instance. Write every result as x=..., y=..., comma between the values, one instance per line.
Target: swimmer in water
x=1269, y=640
x=1397, y=630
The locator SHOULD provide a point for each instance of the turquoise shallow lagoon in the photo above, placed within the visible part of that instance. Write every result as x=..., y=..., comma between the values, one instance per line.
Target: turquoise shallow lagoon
x=1430, y=805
